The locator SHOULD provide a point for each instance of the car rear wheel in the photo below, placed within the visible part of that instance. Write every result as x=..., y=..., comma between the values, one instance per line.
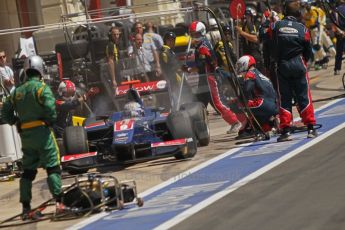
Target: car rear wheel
x=180, y=126
x=199, y=118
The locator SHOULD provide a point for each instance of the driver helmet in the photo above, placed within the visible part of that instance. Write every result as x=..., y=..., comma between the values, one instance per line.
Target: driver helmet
x=67, y=90
x=133, y=109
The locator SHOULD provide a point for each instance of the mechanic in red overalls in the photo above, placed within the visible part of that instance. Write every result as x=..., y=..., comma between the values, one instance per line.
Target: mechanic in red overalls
x=205, y=60
x=66, y=102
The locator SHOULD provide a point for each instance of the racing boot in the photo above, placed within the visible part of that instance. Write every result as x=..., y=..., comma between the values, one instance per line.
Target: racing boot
x=312, y=133
x=263, y=136
x=28, y=214
x=235, y=128
x=245, y=134
x=285, y=135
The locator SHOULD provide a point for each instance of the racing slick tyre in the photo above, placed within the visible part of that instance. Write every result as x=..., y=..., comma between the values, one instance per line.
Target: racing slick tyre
x=61, y=146
x=75, y=141
x=180, y=126
x=198, y=115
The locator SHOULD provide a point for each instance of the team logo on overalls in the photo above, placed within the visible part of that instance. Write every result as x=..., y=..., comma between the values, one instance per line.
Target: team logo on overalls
x=19, y=96
x=288, y=30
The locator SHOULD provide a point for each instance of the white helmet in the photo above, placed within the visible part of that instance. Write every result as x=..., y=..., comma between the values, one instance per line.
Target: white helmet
x=133, y=109
x=34, y=62
x=197, y=30
x=244, y=63
x=212, y=23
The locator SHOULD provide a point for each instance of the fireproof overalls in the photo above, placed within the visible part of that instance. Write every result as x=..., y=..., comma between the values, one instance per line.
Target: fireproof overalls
x=292, y=49
x=34, y=105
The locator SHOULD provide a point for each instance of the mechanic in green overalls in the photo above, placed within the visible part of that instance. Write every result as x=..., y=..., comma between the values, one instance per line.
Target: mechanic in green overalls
x=31, y=106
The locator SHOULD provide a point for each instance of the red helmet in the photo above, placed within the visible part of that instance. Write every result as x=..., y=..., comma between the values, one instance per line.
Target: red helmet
x=244, y=63
x=66, y=89
x=197, y=29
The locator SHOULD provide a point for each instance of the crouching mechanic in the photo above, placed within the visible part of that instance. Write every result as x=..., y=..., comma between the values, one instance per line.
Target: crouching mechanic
x=259, y=92
x=65, y=104
x=205, y=66
x=32, y=107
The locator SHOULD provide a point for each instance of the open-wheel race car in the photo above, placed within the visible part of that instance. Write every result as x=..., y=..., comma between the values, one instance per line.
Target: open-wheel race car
x=141, y=131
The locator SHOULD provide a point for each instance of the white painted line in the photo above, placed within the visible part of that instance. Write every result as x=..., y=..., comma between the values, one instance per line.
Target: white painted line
x=181, y=176
x=196, y=208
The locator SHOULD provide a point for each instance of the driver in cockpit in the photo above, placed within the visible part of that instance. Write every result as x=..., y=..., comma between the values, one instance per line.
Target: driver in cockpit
x=133, y=109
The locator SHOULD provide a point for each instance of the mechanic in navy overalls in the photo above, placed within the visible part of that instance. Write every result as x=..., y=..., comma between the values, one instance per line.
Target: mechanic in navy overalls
x=259, y=92
x=292, y=50
x=205, y=65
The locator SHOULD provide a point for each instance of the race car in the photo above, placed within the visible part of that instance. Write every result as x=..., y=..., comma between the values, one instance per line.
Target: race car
x=137, y=133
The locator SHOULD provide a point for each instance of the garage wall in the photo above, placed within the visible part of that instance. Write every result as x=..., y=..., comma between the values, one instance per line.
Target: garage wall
x=9, y=19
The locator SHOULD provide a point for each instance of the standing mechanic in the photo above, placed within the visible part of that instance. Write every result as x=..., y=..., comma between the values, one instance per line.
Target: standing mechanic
x=249, y=34
x=32, y=107
x=340, y=35
x=171, y=68
x=292, y=50
x=65, y=103
x=205, y=66
x=220, y=50
x=114, y=55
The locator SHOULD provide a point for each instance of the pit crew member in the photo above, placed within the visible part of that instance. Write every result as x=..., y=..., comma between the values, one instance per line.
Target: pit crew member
x=32, y=107
x=292, y=50
x=205, y=66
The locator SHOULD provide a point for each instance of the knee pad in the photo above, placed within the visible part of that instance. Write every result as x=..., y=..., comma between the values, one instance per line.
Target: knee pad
x=55, y=169
x=29, y=174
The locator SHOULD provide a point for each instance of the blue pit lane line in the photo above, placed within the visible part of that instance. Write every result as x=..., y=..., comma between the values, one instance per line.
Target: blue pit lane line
x=172, y=202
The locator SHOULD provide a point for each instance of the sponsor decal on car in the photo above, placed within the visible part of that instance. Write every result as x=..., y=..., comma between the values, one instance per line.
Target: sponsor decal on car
x=142, y=87
x=96, y=124
x=169, y=143
x=164, y=114
x=121, y=139
x=126, y=124
x=72, y=157
x=161, y=84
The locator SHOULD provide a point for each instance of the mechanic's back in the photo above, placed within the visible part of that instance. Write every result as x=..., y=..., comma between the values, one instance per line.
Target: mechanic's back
x=292, y=40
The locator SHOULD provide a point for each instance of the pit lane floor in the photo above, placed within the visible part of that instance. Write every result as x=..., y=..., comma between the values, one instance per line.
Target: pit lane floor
x=306, y=192
x=154, y=172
